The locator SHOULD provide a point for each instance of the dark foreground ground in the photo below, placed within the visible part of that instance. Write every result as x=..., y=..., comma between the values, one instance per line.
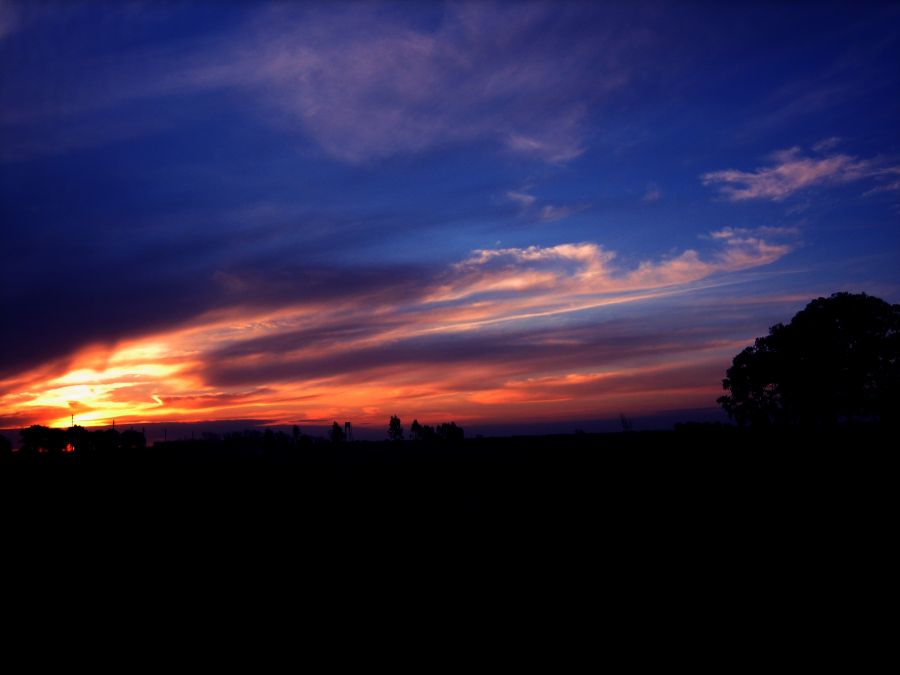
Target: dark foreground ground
x=741, y=546
x=715, y=476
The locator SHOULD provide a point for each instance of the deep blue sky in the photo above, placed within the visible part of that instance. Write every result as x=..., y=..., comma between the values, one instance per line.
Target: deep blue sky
x=333, y=197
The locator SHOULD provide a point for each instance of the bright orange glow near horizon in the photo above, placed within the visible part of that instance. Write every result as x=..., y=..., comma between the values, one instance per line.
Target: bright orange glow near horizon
x=520, y=217
x=165, y=393
x=488, y=343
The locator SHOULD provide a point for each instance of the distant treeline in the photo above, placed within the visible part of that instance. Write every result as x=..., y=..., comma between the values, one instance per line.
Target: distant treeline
x=42, y=440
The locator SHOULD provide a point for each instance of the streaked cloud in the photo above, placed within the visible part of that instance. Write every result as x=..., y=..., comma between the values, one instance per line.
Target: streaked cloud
x=826, y=144
x=472, y=342
x=793, y=171
x=561, y=146
x=587, y=269
x=521, y=198
x=9, y=18
x=301, y=211
x=891, y=184
x=365, y=82
x=367, y=86
x=653, y=194
x=768, y=231
x=551, y=212
x=530, y=206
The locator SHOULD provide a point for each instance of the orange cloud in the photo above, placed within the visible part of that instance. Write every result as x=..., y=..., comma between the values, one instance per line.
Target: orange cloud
x=479, y=343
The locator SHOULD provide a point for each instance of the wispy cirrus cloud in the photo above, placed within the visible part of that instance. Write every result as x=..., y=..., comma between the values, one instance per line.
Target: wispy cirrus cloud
x=584, y=270
x=827, y=144
x=9, y=18
x=768, y=231
x=552, y=212
x=521, y=198
x=366, y=86
x=529, y=206
x=463, y=341
x=653, y=194
x=366, y=83
x=892, y=176
x=793, y=171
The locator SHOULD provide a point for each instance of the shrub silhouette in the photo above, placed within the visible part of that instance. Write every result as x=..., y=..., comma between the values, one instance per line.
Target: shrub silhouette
x=837, y=361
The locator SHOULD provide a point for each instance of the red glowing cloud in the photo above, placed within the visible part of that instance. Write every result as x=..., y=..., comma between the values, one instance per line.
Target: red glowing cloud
x=505, y=335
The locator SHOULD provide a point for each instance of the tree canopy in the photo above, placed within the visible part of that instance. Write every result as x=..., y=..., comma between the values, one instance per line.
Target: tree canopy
x=837, y=361
x=395, y=429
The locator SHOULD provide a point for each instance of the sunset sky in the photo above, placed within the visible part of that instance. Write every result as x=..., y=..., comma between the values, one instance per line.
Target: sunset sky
x=494, y=213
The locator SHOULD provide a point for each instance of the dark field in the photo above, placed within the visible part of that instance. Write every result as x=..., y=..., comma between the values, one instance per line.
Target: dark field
x=731, y=535
x=713, y=478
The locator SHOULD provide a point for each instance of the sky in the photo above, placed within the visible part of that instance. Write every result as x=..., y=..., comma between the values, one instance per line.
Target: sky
x=500, y=214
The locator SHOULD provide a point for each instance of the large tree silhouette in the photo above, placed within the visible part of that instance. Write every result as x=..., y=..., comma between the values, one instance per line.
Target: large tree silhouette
x=838, y=360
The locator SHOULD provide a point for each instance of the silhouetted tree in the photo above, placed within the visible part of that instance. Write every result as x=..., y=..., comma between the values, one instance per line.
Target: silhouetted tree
x=42, y=440
x=415, y=430
x=395, y=429
x=105, y=441
x=78, y=438
x=5, y=446
x=337, y=433
x=427, y=432
x=837, y=360
x=451, y=433
x=132, y=440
